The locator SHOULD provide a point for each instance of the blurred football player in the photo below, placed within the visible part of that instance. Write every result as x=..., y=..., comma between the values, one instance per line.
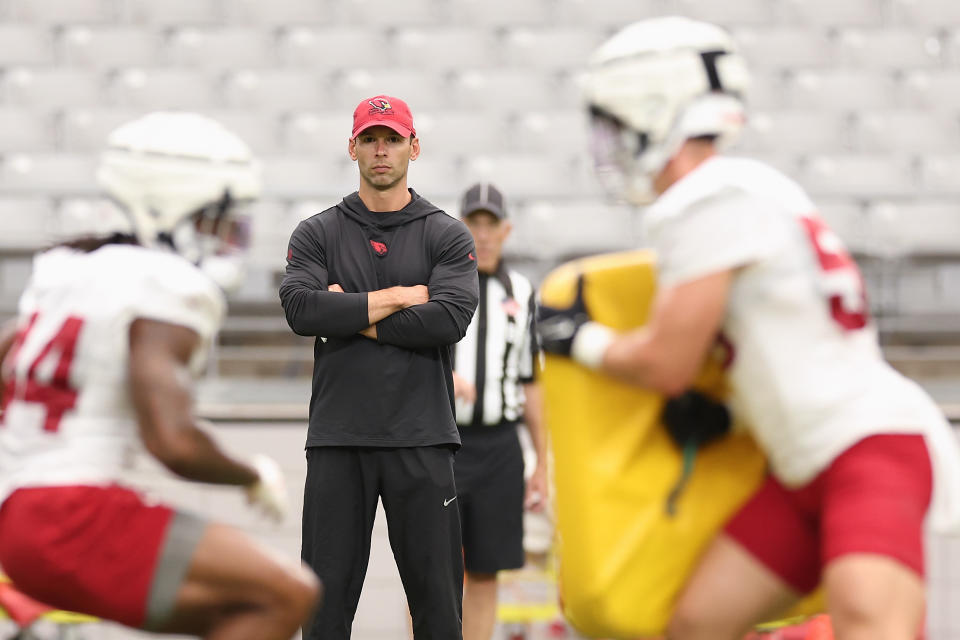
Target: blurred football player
x=860, y=457
x=99, y=363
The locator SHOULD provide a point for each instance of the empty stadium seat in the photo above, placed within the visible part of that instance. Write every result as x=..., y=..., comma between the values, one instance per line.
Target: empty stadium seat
x=742, y=12
x=552, y=230
x=531, y=175
x=546, y=48
x=888, y=48
x=779, y=47
x=939, y=173
x=408, y=12
x=271, y=226
x=607, y=14
x=161, y=88
x=275, y=90
x=909, y=131
x=170, y=12
x=105, y=46
x=434, y=176
x=859, y=175
x=929, y=13
x=498, y=12
x=840, y=88
x=499, y=90
x=832, y=12
x=797, y=131
x=278, y=12
x=323, y=134
x=25, y=45
x=331, y=47
x=28, y=222
x=288, y=176
x=929, y=227
x=420, y=89
x=550, y=131
x=58, y=11
x=51, y=88
x=219, y=47
x=443, y=47
x=259, y=130
x=929, y=88
x=86, y=129
x=25, y=130
x=53, y=174
x=455, y=132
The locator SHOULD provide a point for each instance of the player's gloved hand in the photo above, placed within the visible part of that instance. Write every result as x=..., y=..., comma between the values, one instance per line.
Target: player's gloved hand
x=570, y=332
x=269, y=493
x=694, y=417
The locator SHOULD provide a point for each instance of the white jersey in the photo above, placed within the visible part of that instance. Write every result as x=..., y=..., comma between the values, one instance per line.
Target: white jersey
x=69, y=418
x=807, y=374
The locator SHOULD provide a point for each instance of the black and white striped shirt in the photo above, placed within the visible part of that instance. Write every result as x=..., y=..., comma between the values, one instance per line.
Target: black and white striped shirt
x=497, y=353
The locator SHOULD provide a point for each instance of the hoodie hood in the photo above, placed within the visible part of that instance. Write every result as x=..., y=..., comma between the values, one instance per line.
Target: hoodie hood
x=417, y=208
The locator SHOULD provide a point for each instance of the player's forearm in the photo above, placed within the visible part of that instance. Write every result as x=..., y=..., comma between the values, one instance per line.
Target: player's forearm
x=196, y=456
x=638, y=358
x=533, y=418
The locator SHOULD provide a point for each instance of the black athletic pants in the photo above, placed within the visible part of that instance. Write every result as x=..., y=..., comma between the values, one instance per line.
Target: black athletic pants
x=340, y=501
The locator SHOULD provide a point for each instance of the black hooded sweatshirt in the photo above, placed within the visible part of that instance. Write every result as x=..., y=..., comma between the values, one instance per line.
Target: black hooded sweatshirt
x=396, y=391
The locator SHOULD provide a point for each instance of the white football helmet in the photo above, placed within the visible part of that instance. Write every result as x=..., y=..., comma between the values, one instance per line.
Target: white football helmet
x=654, y=85
x=178, y=175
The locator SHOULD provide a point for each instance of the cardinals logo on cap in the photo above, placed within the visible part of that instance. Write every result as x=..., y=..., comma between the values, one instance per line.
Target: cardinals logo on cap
x=380, y=106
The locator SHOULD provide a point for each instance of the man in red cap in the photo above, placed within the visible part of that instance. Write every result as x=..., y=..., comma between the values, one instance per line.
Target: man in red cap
x=387, y=283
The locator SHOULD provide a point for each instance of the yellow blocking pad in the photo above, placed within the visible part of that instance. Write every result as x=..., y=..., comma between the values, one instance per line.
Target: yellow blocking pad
x=56, y=616
x=622, y=559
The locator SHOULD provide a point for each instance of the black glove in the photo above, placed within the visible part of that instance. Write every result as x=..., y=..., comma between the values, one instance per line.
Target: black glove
x=557, y=328
x=694, y=417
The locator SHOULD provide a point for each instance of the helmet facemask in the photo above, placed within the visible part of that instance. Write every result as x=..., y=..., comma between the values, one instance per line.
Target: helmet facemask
x=216, y=239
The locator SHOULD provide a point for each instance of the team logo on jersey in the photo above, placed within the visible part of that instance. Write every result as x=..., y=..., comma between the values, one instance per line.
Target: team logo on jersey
x=510, y=307
x=472, y=257
x=379, y=247
x=289, y=255
x=380, y=106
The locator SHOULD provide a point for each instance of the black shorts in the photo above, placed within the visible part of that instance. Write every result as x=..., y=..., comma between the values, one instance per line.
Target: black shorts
x=490, y=488
x=417, y=488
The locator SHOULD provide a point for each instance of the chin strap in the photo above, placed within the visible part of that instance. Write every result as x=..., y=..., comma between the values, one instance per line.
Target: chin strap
x=689, y=456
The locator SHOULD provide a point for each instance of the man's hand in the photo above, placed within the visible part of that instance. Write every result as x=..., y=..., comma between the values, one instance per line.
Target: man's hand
x=695, y=417
x=463, y=389
x=536, y=492
x=335, y=288
x=269, y=493
x=570, y=332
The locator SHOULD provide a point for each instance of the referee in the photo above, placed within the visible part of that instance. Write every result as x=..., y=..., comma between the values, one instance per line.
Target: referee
x=495, y=390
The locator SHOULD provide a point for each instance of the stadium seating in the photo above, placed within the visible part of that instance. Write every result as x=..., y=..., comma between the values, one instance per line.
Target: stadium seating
x=906, y=131
x=25, y=45
x=889, y=48
x=161, y=88
x=327, y=47
x=778, y=47
x=24, y=130
x=854, y=174
x=219, y=48
x=84, y=46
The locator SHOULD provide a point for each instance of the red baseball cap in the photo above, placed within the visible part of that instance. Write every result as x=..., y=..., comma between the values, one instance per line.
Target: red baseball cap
x=383, y=110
